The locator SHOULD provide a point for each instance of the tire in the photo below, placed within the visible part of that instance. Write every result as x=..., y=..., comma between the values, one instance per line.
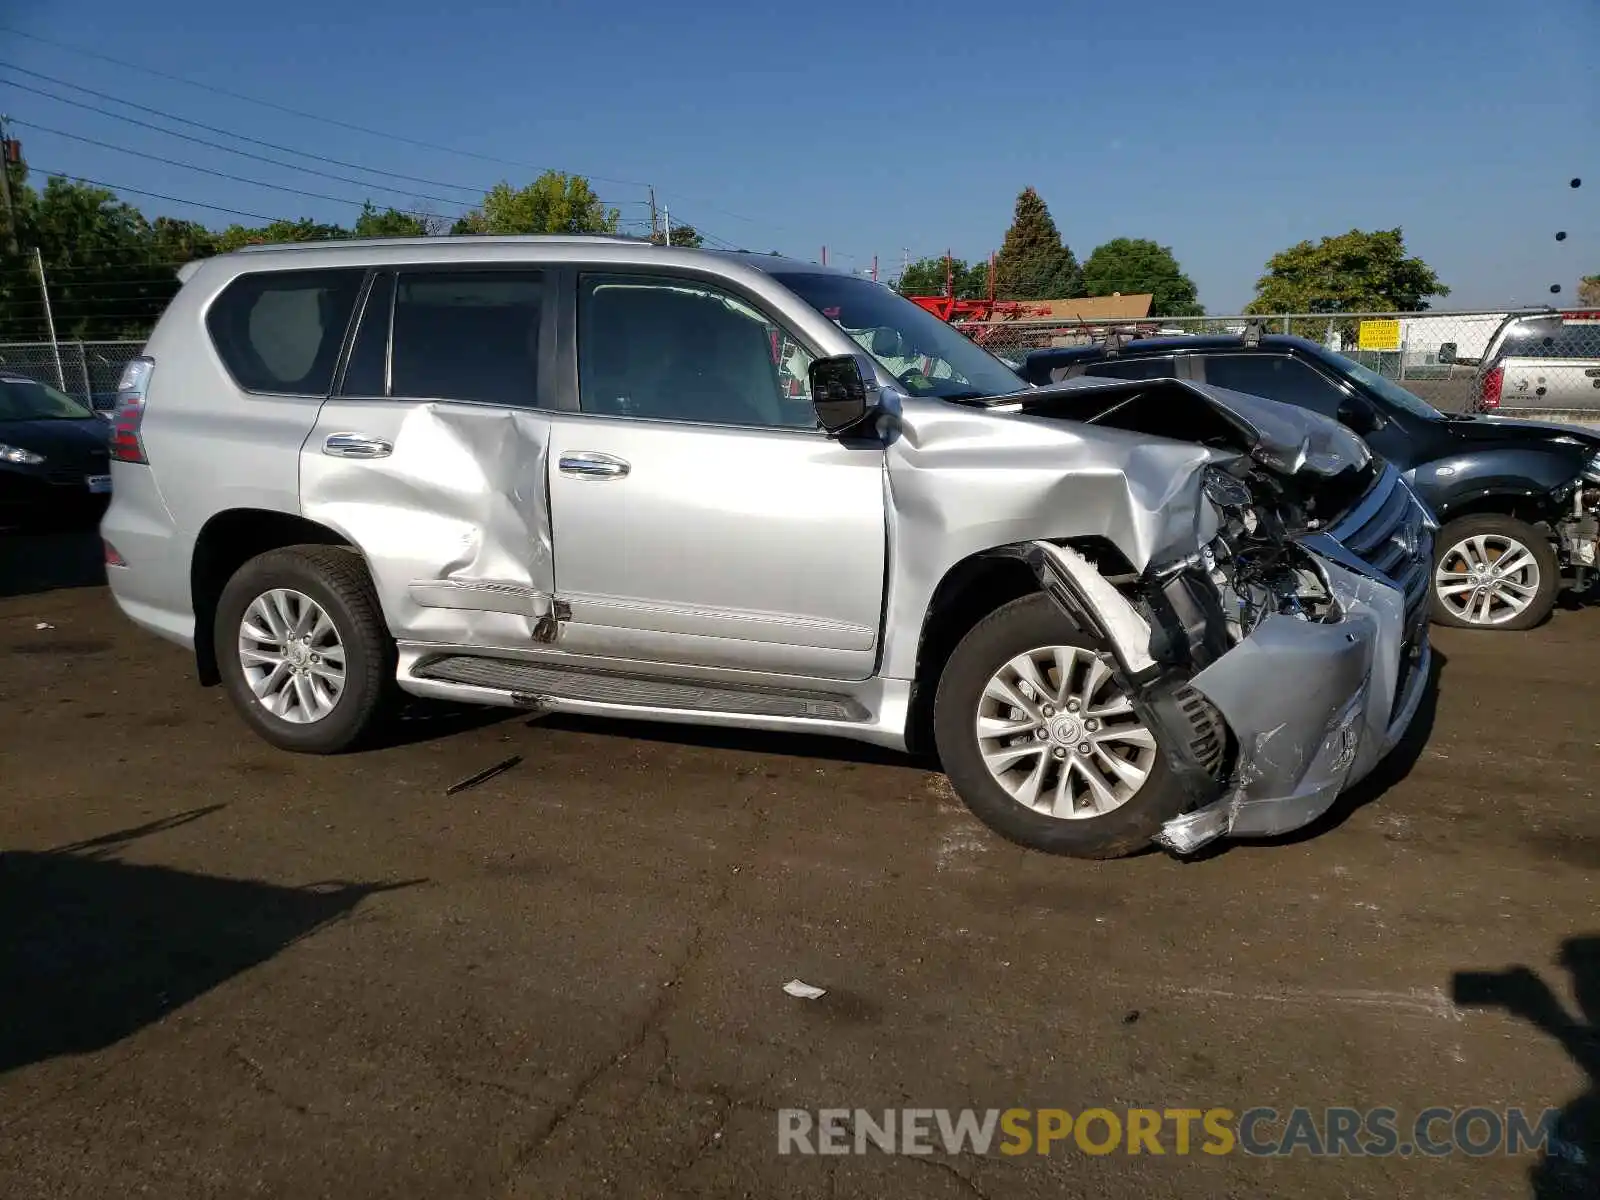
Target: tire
x=1034, y=623
x=1538, y=583
x=335, y=580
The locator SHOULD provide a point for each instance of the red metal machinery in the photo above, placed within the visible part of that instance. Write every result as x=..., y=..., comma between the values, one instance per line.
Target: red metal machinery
x=976, y=318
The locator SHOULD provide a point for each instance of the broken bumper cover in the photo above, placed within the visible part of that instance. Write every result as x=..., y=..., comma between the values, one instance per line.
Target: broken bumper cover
x=1314, y=708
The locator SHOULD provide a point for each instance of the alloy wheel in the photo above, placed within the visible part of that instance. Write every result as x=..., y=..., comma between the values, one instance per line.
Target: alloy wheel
x=1487, y=579
x=1060, y=736
x=292, y=656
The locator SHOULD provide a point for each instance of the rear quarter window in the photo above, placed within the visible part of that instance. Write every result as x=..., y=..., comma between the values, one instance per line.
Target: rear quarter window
x=1575, y=339
x=281, y=331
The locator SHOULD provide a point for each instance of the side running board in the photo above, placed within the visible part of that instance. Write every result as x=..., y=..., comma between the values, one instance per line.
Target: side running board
x=530, y=683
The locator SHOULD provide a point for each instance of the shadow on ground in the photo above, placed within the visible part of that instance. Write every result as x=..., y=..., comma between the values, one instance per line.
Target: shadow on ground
x=1569, y=1168
x=93, y=949
x=43, y=562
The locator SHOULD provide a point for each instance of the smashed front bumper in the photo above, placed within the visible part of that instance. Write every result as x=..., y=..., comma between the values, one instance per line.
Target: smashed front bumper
x=1314, y=708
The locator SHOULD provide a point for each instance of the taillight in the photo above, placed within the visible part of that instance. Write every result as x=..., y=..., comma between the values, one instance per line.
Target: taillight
x=126, y=444
x=113, y=557
x=1492, y=383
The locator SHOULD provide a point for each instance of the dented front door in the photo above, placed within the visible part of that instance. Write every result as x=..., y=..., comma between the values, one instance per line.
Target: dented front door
x=431, y=459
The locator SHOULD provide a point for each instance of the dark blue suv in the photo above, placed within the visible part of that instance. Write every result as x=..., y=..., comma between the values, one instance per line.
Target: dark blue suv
x=1517, y=499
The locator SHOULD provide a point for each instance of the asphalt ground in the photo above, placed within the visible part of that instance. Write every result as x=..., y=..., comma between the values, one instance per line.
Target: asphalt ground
x=230, y=971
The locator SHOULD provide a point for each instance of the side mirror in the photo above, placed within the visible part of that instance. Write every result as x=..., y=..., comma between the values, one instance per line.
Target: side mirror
x=1447, y=353
x=843, y=392
x=1359, y=416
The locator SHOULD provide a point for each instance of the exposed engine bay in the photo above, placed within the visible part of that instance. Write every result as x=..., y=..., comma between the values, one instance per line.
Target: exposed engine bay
x=1296, y=527
x=1279, y=485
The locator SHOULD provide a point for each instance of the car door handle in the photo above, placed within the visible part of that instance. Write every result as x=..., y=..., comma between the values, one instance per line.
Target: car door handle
x=589, y=464
x=356, y=445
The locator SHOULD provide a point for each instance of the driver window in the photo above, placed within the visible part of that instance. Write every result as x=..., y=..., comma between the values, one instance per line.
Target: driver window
x=679, y=350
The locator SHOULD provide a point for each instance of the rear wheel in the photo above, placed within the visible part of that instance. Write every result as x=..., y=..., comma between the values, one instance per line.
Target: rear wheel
x=1493, y=572
x=303, y=650
x=1042, y=744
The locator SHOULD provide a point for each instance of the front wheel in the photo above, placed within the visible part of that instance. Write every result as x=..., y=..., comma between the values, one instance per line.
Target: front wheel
x=1493, y=572
x=1041, y=743
x=303, y=650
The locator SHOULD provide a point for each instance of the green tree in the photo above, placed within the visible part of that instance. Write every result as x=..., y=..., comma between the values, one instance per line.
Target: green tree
x=1353, y=272
x=1134, y=265
x=104, y=280
x=175, y=241
x=682, y=235
x=387, y=223
x=926, y=277
x=235, y=237
x=1589, y=290
x=553, y=203
x=1034, y=263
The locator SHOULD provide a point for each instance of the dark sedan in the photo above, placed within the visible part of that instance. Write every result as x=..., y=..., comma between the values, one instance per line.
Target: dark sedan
x=54, y=461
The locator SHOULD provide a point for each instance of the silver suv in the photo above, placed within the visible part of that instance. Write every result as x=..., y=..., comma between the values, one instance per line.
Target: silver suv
x=598, y=476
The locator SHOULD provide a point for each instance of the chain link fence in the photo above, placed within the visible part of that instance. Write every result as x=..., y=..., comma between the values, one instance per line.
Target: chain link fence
x=1526, y=362
x=1523, y=361
x=87, y=370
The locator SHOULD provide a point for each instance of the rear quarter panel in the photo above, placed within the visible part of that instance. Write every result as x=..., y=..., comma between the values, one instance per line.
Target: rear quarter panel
x=1551, y=382
x=213, y=446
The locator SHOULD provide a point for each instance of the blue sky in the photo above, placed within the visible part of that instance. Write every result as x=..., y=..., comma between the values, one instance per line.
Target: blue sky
x=880, y=128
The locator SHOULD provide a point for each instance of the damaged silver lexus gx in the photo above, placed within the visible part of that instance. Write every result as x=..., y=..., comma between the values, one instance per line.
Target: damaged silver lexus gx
x=597, y=476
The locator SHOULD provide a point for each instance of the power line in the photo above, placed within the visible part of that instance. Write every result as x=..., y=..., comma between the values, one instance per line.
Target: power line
x=117, y=187
x=334, y=121
x=156, y=112
x=173, y=162
x=189, y=137
x=212, y=145
x=295, y=112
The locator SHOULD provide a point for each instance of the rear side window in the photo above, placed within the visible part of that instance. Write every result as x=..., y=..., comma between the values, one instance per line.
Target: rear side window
x=1575, y=339
x=281, y=331
x=467, y=335
x=1134, y=368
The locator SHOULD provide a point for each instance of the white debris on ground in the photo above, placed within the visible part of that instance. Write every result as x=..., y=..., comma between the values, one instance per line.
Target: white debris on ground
x=804, y=991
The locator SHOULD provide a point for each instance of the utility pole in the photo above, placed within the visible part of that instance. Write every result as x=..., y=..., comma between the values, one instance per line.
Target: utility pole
x=50, y=320
x=655, y=221
x=5, y=188
x=666, y=214
x=824, y=256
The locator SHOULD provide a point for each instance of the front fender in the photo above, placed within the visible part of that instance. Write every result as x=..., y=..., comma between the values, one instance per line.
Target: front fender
x=1516, y=475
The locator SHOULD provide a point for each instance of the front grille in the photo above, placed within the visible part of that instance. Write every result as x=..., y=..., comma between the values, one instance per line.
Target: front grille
x=1388, y=531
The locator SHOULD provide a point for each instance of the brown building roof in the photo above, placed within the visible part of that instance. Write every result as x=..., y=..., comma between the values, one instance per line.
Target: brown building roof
x=1098, y=308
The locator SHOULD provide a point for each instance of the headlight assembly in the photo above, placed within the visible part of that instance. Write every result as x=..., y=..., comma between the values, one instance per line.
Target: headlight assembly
x=19, y=456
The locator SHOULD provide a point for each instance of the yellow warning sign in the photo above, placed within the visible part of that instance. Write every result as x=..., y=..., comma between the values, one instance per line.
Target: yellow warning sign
x=1380, y=335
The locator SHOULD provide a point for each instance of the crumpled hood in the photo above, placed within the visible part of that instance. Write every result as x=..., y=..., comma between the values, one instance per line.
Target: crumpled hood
x=1279, y=436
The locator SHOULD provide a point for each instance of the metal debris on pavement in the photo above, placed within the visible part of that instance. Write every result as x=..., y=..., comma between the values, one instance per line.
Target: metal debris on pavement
x=483, y=776
x=803, y=990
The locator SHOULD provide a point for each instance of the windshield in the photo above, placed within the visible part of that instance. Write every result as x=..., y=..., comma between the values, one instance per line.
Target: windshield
x=27, y=400
x=1388, y=389
x=927, y=356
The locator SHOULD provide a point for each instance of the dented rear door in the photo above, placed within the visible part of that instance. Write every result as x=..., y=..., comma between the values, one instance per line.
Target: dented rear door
x=430, y=456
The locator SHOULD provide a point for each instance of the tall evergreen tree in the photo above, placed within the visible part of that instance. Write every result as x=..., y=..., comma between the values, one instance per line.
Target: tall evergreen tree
x=1034, y=263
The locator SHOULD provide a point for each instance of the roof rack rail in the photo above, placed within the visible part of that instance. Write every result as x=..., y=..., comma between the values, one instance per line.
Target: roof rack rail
x=454, y=240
